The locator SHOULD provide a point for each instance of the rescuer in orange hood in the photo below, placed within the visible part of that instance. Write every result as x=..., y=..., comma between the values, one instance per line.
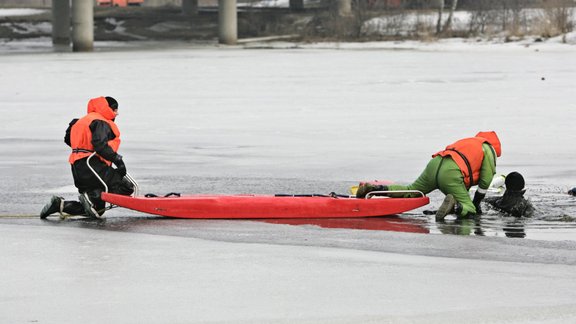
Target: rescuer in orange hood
x=463, y=164
x=96, y=133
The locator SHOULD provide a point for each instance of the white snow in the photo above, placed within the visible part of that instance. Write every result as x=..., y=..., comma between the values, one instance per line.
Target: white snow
x=20, y=12
x=278, y=3
x=414, y=22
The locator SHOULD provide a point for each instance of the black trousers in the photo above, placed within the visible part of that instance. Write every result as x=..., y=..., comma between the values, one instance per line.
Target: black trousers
x=87, y=182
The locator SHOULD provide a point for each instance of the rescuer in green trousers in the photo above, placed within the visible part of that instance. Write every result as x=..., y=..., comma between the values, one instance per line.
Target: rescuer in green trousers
x=463, y=164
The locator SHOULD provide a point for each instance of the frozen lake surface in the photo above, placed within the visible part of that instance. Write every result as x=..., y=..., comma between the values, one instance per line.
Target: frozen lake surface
x=205, y=120
x=307, y=120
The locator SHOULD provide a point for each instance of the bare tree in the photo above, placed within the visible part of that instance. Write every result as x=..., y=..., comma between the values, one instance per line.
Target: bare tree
x=511, y=15
x=483, y=15
x=448, y=24
x=440, y=4
x=559, y=13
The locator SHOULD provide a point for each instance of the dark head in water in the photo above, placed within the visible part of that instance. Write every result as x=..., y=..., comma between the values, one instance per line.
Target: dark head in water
x=514, y=182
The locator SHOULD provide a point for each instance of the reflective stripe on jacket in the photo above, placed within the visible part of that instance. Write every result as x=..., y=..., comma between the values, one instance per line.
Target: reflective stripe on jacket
x=81, y=135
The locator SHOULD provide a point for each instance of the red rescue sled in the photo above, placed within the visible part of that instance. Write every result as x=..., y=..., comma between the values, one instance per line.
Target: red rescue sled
x=266, y=206
x=263, y=206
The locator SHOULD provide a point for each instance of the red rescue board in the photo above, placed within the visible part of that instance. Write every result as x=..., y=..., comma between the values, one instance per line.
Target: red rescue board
x=265, y=206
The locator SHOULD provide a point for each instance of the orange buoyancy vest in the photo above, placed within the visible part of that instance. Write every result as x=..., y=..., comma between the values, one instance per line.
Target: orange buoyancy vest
x=81, y=136
x=468, y=155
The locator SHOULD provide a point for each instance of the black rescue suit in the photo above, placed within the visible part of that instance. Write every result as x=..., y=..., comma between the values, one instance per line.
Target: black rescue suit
x=512, y=203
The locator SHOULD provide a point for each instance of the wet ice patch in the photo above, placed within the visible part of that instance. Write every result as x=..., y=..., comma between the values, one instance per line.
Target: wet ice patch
x=553, y=220
x=26, y=45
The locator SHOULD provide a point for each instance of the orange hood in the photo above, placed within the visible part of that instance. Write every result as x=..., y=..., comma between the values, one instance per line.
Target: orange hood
x=100, y=105
x=493, y=139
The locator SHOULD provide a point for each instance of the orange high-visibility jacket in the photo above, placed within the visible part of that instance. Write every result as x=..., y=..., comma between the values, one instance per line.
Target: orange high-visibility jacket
x=81, y=136
x=468, y=155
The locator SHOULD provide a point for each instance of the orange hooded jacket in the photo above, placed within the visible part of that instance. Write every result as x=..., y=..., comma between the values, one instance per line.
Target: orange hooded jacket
x=468, y=154
x=81, y=136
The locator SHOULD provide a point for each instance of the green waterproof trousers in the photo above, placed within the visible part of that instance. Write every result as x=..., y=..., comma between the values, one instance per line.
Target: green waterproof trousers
x=444, y=174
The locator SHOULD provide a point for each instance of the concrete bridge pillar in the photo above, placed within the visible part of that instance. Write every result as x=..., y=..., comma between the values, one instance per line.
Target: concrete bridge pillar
x=190, y=7
x=82, y=25
x=227, y=22
x=296, y=5
x=61, y=24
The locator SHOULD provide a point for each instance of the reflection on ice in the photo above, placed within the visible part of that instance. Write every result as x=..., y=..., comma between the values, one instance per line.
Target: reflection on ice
x=391, y=223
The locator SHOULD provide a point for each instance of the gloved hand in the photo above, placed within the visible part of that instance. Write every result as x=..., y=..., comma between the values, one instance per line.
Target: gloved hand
x=478, y=197
x=120, y=166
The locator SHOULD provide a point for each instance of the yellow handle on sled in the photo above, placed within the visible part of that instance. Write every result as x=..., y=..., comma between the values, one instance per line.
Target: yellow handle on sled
x=353, y=190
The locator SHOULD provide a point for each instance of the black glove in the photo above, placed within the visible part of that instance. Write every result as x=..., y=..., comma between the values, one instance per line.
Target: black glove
x=120, y=166
x=478, y=197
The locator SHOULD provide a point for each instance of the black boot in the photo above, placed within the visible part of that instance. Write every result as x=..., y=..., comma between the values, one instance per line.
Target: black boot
x=56, y=204
x=446, y=208
x=89, y=208
x=73, y=208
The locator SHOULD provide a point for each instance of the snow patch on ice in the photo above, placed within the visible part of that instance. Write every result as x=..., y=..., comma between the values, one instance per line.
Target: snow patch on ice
x=20, y=12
